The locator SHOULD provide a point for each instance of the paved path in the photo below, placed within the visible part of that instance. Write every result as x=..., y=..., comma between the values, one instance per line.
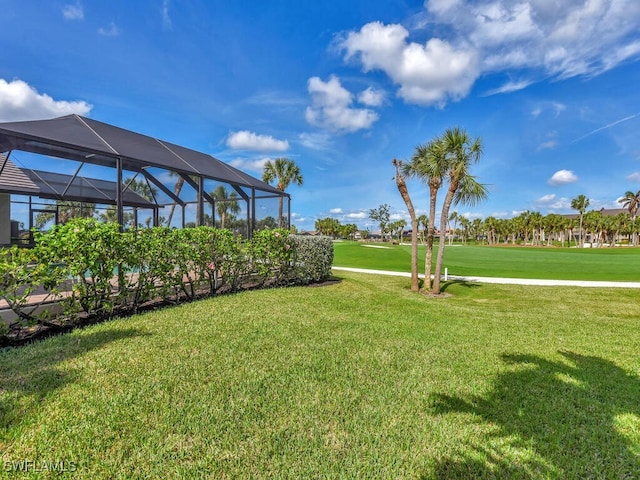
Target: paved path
x=512, y=281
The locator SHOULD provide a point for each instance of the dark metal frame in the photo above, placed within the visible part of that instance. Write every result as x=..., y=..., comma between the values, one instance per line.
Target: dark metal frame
x=88, y=141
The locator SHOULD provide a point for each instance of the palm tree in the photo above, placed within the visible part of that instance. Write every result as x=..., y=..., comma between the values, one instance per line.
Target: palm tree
x=461, y=152
x=429, y=165
x=66, y=211
x=225, y=203
x=402, y=188
x=580, y=203
x=176, y=191
x=423, y=223
x=283, y=171
x=631, y=201
x=535, y=220
x=491, y=228
x=141, y=187
x=453, y=218
x=465, y=225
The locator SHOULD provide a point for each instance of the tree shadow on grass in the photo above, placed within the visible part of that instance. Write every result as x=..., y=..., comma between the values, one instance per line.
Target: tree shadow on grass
x=462, y=283
x=33, y=373
x=573, y=418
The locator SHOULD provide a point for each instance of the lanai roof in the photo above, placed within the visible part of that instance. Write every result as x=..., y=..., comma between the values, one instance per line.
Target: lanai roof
x=59, y=186
x=83, y=139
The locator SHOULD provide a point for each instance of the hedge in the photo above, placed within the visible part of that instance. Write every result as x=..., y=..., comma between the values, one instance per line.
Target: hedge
x=92, y=268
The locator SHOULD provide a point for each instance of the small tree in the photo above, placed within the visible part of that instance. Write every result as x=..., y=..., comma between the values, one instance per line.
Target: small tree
x=381, y=215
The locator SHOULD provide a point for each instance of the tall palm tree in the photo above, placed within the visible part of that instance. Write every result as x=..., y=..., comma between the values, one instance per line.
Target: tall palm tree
x=631, y=201
x=429, y=165
x=404, y=192
x=283, y=171
x=461, y=152
x=580, y=203
x=226, y=203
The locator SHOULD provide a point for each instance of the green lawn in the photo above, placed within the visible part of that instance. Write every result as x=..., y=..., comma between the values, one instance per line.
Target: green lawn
x=359, y=379
x=614, y=264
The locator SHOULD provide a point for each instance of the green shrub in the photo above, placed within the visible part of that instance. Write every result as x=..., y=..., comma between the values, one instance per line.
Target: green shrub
x=313, y=257
x=91, y=252
x=20, y=276
x=145, y=257
x=106, y=268
x=271, y=253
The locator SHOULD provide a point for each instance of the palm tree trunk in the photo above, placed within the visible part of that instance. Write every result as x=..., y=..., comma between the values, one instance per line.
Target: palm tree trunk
x=176, y=192
x=402, y=188
x=430, y=234
x=280, y=202
x=443, y=221
x=581, y=240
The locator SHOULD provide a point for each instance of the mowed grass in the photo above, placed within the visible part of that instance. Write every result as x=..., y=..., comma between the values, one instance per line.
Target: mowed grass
x=613, y=264
x=358, y=379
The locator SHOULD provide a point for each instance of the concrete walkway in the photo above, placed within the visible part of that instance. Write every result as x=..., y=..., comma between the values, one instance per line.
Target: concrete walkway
x=510, y=281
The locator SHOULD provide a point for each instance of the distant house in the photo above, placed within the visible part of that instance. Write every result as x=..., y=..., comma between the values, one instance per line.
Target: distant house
x=607, y=212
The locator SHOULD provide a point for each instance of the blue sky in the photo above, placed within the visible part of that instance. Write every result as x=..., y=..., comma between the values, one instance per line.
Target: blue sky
x=343, y=87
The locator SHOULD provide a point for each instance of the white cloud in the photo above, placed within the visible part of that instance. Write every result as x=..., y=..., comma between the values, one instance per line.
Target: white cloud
x=563, y=39
x=510, y=87
x=634, y=177
x=335, y=211
x=597, y=204
x=331, y=107
x=19, y=101
x=539, y=38
x=547, y=144
x=550, y=201
x=562, y=177
x=546, y=198
x=371, y=97
x=442, y=6
x=73, y=11
x=558, y=107
x=428, y=74
x=166, y=18
x=315, y=141
x=111, y=31
x=245, y=140
x=252, y=165
x=357, y=215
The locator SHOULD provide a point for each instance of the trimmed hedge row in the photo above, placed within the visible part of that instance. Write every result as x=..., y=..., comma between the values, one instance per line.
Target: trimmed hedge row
x=92, y=267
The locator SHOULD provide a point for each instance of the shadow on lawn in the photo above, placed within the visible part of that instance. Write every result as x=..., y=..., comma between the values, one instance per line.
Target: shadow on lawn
x=462, y=283
x=24, y=386
x=553, y=419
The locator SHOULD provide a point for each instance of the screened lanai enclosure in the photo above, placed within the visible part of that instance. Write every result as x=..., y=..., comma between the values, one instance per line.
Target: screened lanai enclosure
x=52, y=170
